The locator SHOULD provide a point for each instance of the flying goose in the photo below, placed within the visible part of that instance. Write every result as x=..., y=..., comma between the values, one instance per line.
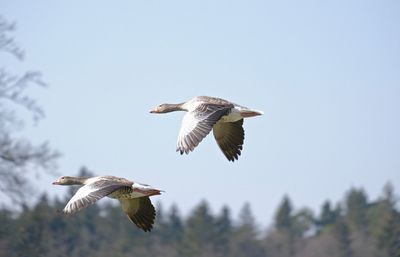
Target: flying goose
x=133, y=196
x=206, y=113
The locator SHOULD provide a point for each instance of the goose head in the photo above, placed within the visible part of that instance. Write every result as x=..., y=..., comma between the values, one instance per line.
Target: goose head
x=164, y=108
x=66, y=181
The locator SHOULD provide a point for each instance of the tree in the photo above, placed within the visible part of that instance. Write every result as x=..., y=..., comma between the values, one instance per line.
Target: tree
x=34, y=237
x=283, y=218
x=245, y=241
x=389, y=239
x=168, y=234
x=302, y=222
x=279, y=241
x=389, y=195
x=343, y=237
x=199, y=233
x=8, y=231
x=223, y=230
x=18, y=156
x=356, y=207
x=388, y=231
x=173, y=230
x=327, y=216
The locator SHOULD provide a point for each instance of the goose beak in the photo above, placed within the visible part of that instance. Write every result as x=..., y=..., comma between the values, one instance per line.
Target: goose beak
x=55, y=183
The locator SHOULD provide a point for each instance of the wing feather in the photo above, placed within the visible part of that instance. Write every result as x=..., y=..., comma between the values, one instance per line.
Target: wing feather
x=140, y=211
x=198, y=123
x=230, y=138
x=89, y=194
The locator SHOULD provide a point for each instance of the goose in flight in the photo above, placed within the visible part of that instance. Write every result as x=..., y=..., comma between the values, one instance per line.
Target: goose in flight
x=206, y=113
x=133, y=196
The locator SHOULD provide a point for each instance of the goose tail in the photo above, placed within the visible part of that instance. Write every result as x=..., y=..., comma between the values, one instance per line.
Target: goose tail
x=146, y=189
x=247, y=113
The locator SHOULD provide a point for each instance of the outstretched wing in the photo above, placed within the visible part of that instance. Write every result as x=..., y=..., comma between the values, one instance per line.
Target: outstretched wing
x=89, y=194
x=230, y=138
x=198, y=123
x=140, y=211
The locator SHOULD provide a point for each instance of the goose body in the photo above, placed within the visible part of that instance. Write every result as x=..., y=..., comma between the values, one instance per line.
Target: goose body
x=206, y=113
x=133, y=196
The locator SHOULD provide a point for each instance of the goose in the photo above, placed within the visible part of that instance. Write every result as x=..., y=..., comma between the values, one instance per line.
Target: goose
x=205, y=113
x=133, y=196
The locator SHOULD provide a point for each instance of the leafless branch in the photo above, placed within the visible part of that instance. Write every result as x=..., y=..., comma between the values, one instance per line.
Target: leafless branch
x=18, y=157
x=7, y=43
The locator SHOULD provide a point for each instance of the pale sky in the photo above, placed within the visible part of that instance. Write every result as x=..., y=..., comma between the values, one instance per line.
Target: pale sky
x=325, y=73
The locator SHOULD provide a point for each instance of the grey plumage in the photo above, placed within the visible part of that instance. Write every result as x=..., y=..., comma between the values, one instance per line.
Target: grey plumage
x=134, y=197
x=206, y=113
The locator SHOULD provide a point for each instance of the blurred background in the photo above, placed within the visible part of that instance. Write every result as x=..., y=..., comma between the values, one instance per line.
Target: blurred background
x=319, y=172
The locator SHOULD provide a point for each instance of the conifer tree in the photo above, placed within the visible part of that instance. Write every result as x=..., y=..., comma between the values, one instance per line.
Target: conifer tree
x=356, y=207
x=223, y=230
x=199, y=233
x=283, y=218
x=328, y=216
x=174, y=228
x=343, y=237
x=245, y=242
x=389, y=233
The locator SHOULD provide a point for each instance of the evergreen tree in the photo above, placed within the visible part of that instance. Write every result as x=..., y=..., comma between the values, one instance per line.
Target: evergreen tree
x=390, y=238
x=356, y=207
x=389, y=230
x=343, y=237
x=170, y=233
x=223, y=229
x=8, y=232
x=199, y=233
x=283, y=218
x=174, y=226
x=302, y=222
x=245, y=242
x=282, y=240
x=34, y=237
x=327, y=216
x=388, y=194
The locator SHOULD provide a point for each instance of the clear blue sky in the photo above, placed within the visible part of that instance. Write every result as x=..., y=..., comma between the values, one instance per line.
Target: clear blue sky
x=326, y=74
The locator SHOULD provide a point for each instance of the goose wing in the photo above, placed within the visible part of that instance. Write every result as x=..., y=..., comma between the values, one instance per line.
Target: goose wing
x=198, y=123
x=140, y=211
x=230, y=138
x=92, y=192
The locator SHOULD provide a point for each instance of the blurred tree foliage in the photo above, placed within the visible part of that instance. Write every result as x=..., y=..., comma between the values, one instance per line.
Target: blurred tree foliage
x=18, y=156
x=102, y=230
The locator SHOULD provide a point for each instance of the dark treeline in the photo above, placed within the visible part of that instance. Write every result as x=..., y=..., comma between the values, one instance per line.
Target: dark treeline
x=353, y=227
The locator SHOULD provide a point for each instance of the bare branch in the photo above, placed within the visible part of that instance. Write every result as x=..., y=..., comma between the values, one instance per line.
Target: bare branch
x=7, y=43
x=18, y=157
x=12, y=89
